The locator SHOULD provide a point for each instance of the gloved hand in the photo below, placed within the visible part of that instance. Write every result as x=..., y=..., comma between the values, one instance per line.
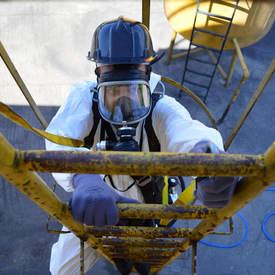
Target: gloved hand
x=213, y=192
x=93, y=202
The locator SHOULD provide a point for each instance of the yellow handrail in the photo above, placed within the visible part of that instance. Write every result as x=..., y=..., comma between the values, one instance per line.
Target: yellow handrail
x=15, y=166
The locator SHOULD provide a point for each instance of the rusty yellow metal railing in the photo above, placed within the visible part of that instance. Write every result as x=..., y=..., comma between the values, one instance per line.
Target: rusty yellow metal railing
x=146, y=6
x=155, y=245
x=252, y=102
x=21, y=85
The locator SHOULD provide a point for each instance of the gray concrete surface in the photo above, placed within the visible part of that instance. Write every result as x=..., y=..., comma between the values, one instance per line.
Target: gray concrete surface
x=48, y=42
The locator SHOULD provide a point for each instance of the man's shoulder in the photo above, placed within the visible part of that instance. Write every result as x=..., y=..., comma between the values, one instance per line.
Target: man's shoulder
x=166, y=100
x=168, y=105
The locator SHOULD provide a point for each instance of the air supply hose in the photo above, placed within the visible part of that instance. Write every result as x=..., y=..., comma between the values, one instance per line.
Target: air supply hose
x=193, y=96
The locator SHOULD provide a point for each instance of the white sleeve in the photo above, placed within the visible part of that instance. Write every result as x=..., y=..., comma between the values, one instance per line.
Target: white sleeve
x=74, y=119
x=176, y=130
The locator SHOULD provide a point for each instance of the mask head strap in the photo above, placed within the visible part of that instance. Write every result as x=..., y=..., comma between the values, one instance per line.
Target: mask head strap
x=107, y=73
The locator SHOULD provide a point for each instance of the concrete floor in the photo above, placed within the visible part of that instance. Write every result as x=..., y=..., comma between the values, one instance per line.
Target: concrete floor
x=48, y=42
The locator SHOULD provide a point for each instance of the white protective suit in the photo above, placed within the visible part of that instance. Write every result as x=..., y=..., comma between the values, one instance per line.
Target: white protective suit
x=174, y=128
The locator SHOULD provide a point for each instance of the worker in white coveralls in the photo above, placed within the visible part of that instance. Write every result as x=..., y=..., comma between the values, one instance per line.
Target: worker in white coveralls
x=124, y=111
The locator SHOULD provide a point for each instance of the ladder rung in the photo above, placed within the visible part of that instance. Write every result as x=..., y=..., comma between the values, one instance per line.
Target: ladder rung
x=202, y=61
x=199, y=73
x=196, y=84
x=209, y=32
x=215, y=15
x=140, y=231
x=206, y=48
x=218, y=20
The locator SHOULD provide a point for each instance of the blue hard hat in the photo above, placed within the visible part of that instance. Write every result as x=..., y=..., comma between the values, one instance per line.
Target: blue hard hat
x=122, y=41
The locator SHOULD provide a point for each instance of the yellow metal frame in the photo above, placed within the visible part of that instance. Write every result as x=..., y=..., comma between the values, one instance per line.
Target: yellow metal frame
x=268, y=75
x=22, y=86
x=146, y=12
x=237, y=54
x=157, y=246
x=251, y=22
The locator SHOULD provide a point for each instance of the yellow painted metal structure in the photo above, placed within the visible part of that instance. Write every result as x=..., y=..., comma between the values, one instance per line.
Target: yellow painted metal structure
x=157, y=246
x=267, y=77
x=141, y=163
x=237, y=55
x=252, y=20
x=146, y=12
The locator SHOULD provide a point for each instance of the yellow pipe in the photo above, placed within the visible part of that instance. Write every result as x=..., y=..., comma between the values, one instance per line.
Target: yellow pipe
x=170, y=49
x=231, y=68
x=139, y=242
x=241, y=59
x=146, y=13
x=140, y=163
x=140, y=231
x=158, y=211
x=140, y=252
x=20, y=83
x=245, y=76
x=269, y=73
x=219, y=66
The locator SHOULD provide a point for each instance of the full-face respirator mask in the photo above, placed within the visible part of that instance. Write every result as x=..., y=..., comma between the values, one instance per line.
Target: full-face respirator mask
x=124, y=99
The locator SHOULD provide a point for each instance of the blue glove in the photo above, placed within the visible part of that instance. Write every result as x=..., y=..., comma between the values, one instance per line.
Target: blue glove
x=93, y=202
x=215, y=192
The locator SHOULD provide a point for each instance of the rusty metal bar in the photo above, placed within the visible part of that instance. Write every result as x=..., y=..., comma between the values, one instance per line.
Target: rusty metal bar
x=248, y=189
x=157, y=211
x=184, y=53
x=158, y=261
x=140, y=251
x=146, y=12
x=139, y=242
x=20, y=83
x=241, y=59
x=269, y=73
x=171, y=56
x=237, y=90
x=140, y=163
x=171, y=47
x=231, y=68
x=219, y=66
x=141, y=231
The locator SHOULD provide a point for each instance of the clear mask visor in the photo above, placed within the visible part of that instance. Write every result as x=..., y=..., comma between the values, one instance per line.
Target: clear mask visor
x=124, y=101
